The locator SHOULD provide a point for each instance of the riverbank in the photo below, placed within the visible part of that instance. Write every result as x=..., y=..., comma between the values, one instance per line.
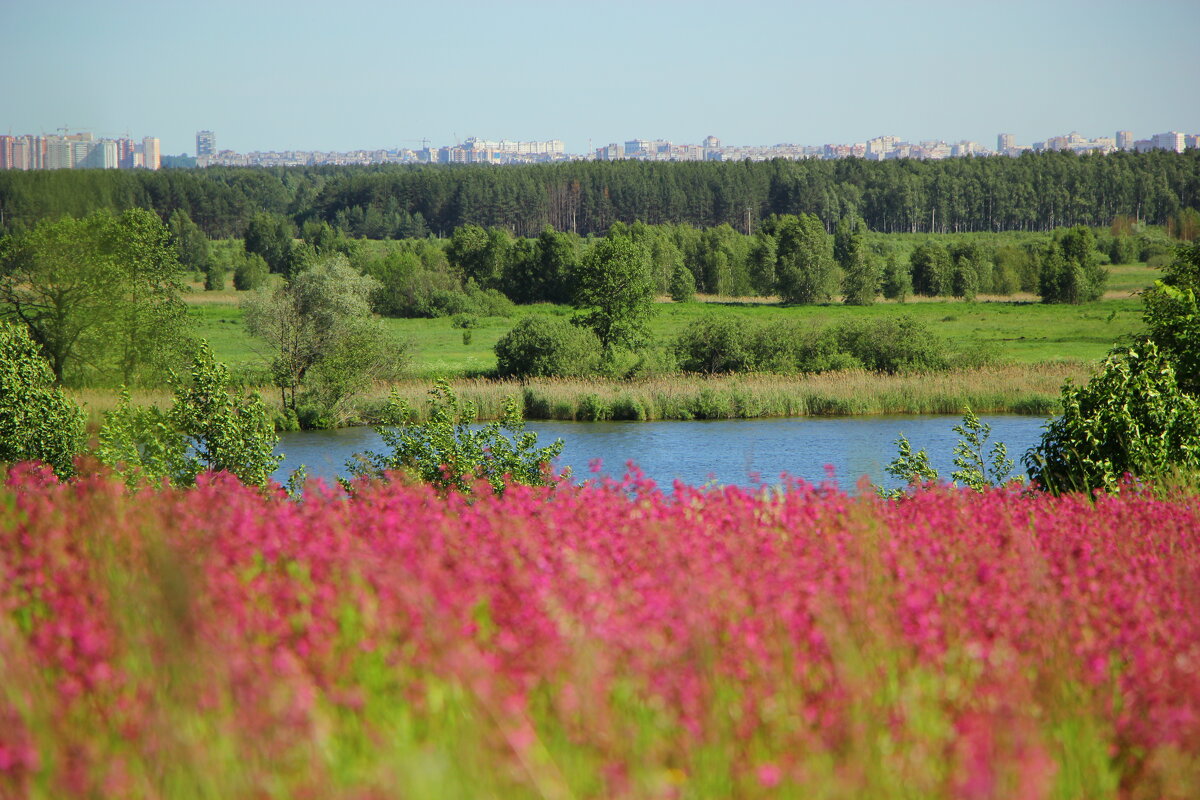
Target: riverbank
x=1011, y=389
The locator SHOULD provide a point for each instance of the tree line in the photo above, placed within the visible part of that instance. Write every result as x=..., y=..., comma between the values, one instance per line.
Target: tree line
x=1035, y=192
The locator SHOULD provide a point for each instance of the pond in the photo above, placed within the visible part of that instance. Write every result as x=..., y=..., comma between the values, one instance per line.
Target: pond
x=738, y=452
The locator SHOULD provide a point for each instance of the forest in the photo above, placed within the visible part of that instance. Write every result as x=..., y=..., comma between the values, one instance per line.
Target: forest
x=1035, y=192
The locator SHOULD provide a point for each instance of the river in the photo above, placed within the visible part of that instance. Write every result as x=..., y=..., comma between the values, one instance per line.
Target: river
x=740, y=452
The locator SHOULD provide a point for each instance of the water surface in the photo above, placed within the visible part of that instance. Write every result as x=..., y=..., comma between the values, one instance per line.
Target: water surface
x=738, y=452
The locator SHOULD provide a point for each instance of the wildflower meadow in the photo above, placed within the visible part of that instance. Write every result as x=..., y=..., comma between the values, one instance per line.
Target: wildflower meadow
x=604, y=641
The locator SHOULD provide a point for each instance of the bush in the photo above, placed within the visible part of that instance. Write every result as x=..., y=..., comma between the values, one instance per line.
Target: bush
x=445, y=452
x=1130, y=418
x=37, y=421
x=250, y=273
x=714, y=344
x=892, y=344
x=1071, y=271
x=683, y=284
x=1172, y=314
x=207, y=429
x=542, y=346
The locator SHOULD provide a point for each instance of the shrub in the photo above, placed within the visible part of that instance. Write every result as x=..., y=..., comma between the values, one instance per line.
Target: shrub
x=1070, y=269
x=250, y=273
x=713, y=344
x=542, y=346
x=446, y=453
x=892, y=344
x=683, y=284
x=37, y=421
x=1130, y=418
x=207, y=429
x=1172, y=314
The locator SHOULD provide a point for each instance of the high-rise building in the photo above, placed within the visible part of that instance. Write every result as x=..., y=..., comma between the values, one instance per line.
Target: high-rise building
x=125, y=148
x=1124, y=140
x=59, y=153
x=6, y=146
x=151, y=154
x=1005, y=142
x=206, y=143
x=1172, y=140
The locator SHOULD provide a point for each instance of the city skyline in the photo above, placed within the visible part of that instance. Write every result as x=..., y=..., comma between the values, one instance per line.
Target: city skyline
x=83, y=150
x=303, y=75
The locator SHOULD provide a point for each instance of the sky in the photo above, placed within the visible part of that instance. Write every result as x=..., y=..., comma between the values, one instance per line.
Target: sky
x=354, y=74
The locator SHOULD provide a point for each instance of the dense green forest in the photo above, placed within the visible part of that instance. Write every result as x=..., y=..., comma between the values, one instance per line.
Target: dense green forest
x=1035, y=192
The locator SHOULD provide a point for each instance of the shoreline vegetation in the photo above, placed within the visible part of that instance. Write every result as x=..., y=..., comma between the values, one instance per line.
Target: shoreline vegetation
x=1031, y=389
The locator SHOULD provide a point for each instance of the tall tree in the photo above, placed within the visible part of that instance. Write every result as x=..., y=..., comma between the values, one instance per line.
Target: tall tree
x=931, y=269
x=860, y=269
x=615, y=291
x=99, y=295
x=323, y=336
x=805, y=268
x=270, y=236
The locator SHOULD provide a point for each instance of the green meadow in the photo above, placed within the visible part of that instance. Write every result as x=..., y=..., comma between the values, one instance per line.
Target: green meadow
x=1017, y=330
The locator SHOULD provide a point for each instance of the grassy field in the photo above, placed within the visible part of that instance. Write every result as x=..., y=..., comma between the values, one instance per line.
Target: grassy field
x=1020, y=330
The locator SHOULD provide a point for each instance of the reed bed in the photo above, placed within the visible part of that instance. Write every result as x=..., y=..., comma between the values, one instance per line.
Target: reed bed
x=1016, y=389
x=1012, y=389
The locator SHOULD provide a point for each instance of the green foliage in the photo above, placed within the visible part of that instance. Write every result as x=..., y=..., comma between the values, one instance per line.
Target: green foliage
x=897, y=279
x=270, y=236
x=683, y=284
x=541, y=270
x=1130, y=418
x=214, y=276
x=932, y=270
x=446, y=452
x=191, y=245
x=37, y=421
x=892, y=344
x=206, y=429
x=861, y=273
x=543, y=346
x=99, y=295
x=912, y=468
x=973, y=469
x=390, y=201
x=1172, y=315
x=804, y=269
x=250, y=273
x=1071, y=271
x=716, y=344
x=323, y=335
x=615, y=292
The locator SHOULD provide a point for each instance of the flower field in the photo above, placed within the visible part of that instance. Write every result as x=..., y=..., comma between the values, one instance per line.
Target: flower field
x=609, y=641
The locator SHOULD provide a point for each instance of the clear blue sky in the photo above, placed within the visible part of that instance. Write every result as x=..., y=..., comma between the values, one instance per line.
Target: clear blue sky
x=268, y=75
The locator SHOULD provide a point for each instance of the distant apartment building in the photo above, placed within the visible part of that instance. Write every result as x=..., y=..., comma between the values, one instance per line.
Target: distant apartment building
x=1005, y=142
x=1192, y=142
x=1124, y=140
x=206, y=143
x=880, y=146
x=151, y=153
x=613, y=151
x=1171, y=140
x=98, y=155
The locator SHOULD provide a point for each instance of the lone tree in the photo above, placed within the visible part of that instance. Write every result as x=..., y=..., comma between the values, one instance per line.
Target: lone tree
x=615, y=291
x=323, y=335
x=1071, y=271
x=100, y=295
x=861, y=276
x=804, y=272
